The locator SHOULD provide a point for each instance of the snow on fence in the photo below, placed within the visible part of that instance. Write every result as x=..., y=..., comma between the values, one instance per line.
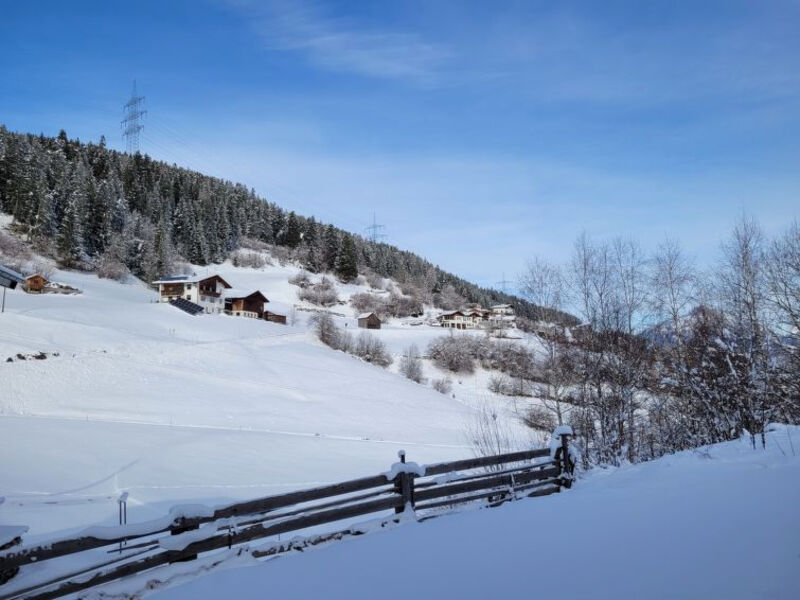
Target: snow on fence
x=99, y=555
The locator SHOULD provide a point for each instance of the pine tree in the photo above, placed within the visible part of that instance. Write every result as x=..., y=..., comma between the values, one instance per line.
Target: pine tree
x=346, y=261
x=330, y=249
x=70, y=242
x=291, y=234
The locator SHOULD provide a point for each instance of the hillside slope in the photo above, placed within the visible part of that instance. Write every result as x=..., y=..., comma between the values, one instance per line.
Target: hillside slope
x=138, y=396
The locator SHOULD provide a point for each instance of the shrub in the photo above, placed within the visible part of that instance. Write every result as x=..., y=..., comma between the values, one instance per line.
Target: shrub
x=367, y=302
x=253, y=260
x=321, y=294
x=301, y=279
x=452, y=354
x=443, y=385
x=326, y=330
x=375, y=281
x=540, y=418
x=411, y=365
x=109, y=267
x=253, y=244
x=371, y=349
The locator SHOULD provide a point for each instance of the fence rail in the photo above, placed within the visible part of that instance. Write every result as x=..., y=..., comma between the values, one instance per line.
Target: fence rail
x=104, y=554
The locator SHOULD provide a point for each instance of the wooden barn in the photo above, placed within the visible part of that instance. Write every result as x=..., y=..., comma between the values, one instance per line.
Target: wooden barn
x=369, y=321
x=245, y=304
x=274, y=317
x=36, y=283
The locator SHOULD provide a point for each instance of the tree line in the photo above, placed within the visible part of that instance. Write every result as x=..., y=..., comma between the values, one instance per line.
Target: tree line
x=90, y=207
x=669, y=356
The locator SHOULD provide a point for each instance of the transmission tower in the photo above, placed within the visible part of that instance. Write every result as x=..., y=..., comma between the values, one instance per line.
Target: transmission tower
x=503, y=283
x=375, y=229
x=131, y=126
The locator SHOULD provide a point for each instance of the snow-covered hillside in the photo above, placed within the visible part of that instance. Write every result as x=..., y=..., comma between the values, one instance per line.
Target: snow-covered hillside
x=138, y=396
x=720, y=522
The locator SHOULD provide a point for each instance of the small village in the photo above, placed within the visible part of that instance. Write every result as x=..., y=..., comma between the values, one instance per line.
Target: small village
x=212, y=294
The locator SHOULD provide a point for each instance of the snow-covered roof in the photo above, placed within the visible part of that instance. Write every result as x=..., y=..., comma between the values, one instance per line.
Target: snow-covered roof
x=367, y=315
x=191, y=279
x=240, y=293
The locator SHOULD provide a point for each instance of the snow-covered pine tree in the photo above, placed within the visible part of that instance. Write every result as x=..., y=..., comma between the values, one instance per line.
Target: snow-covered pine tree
x=347, y=261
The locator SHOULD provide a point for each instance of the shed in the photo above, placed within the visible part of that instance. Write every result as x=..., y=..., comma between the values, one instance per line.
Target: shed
x=35, y=282
x=274, y=317
x=369, y=321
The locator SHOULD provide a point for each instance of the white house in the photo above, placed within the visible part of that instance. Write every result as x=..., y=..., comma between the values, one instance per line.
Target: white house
x=457, y=319
x=205, y=291
x=502, y=315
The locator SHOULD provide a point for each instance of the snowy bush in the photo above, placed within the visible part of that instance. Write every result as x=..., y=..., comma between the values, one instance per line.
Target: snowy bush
x=253, y=260
x=443, y=385
x=539, y=418
x=321, y=294
x=367, y=302
x=253, y=244
x=411, y=364
x=372, y=349
x=452, y=354
x=301, y=279
x=326, y=330
x=375, y=281
x=109, y=267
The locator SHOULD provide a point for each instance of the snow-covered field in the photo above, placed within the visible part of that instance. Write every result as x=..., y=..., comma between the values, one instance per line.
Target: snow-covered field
x=172, y=408
x=722, y=523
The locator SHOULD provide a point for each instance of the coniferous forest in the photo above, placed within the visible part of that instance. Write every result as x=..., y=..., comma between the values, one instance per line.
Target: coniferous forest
x=91, y=207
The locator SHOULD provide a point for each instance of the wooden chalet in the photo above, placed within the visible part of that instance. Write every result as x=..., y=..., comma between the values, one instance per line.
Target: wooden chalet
x=369, y=321
x=245, y=304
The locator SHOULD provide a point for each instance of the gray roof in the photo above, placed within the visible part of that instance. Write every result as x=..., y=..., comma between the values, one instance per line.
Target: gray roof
x=10, y=278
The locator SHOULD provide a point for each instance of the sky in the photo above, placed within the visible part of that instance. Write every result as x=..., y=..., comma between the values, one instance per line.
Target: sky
x=480, y=134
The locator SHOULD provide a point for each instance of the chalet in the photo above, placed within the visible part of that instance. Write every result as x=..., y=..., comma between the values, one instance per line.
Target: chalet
x=457, y=319
x=35, y=283
x=245, y=304
x=502, y=310
x=205, y=291
x=502, y=315
x=274, y=317
x=369, y=321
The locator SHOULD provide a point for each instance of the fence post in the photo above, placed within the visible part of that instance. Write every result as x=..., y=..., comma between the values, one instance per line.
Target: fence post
x=404, y=485
x=563, y=459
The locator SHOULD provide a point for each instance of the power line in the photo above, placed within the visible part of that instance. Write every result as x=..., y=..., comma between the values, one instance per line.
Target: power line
x=375, y=230
x=131, y=125
x=503, y=283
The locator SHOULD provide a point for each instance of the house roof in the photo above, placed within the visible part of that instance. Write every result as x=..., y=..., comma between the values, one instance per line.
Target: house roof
x=36, y=275
x=366, y=315
x=501, y=306
x=452, y=313
x=192, y=279
x=236, y=294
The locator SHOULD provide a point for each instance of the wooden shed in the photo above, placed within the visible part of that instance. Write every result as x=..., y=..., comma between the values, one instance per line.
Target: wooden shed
x=274, y=317
x=369, y=321
x=36, y=282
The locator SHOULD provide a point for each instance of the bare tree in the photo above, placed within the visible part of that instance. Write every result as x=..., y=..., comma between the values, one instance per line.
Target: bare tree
x=543, y=284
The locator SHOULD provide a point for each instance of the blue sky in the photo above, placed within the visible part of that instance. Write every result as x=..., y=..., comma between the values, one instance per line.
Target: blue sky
x=480, y=133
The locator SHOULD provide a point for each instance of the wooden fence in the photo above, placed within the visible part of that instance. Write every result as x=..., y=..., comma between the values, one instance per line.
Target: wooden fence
x=105, y=554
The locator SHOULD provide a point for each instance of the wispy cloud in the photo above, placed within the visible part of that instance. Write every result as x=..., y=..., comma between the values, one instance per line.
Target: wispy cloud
x=342, y=44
